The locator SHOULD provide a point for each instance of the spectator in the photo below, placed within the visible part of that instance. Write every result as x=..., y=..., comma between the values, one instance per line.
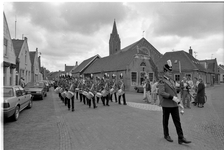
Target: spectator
x=154, y=90
x=201, y=93
x=184, y=85
x=148, y=91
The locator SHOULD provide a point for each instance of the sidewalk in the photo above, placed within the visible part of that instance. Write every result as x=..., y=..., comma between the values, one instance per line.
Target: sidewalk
x=136, y=126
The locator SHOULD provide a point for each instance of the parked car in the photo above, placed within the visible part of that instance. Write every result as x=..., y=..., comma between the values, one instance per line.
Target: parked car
x=139, y=89
x=15, y=100
x=37, y=89
x=47, y=84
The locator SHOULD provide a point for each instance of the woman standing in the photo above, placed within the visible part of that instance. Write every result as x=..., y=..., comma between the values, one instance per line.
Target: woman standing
x=201, y=93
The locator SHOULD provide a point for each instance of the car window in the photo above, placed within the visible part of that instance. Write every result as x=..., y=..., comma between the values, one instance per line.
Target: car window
x=8, y=92
x=22, y=90
x=18, y=92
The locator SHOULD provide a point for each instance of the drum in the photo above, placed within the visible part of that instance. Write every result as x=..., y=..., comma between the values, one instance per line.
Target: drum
x=104, y=93
x=61, y=90
x=90, y=95
x=120, y=92
x=69, y=94
x=63, y=94
x=112, y=91
x=98, y=94
x=84, y=93
x=57, y=90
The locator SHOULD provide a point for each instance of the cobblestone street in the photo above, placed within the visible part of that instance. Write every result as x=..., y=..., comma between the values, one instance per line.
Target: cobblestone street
x=136, y=126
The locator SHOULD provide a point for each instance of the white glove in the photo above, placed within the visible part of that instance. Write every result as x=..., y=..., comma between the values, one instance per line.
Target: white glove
x=175, y=99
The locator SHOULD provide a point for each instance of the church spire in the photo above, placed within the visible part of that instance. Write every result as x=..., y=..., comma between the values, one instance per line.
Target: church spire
x=114, y=42
x=114, y=31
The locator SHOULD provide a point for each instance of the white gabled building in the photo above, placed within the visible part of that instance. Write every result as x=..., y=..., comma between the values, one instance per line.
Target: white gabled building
x=23, y=65
x=9, y=57
x=35, y=66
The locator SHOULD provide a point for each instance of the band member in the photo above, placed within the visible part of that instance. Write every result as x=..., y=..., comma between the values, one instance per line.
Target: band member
x=113, y=88
x=84, y=85
x=91, y=96
x=105, y=92
x=71, y=96
x=98, y=89
x=169, y=103
x=76, y=83
x=121, y=91
x=79, y=87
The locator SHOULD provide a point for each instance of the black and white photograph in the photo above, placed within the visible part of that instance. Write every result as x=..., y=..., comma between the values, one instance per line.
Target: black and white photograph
x=112, y=75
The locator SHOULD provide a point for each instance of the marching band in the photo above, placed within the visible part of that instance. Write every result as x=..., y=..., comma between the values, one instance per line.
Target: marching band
x=90, y=90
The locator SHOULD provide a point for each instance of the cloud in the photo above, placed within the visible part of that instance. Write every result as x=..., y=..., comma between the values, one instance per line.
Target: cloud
x=73, y=31
x=85, y=18
x=183, y=19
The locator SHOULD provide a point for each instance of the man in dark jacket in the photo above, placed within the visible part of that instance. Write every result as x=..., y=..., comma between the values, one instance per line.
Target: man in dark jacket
x=169, y=103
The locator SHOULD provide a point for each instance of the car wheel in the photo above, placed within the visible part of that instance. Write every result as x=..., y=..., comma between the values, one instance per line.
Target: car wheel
x=15, y=116
x=42, y=97
x=30, y=104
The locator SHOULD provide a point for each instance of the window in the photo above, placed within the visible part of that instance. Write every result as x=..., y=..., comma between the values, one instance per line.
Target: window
x=177, y=77
x=188, y=75
x=151, y=77
x=25, y=56
x=133, y=78
x=5, y=46
x=143, y=64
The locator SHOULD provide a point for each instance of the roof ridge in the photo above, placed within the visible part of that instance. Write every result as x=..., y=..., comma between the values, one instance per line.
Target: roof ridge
x=186, y=54
x=93, y=58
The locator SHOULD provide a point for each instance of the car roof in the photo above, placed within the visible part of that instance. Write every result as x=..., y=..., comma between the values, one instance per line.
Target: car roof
x=12, y=86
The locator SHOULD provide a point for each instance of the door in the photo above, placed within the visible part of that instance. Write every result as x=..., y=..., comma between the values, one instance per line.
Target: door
x=22, y=98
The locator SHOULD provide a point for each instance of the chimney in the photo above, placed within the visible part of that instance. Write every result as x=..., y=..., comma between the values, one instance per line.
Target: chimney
x=76, y=63
x=190, y=51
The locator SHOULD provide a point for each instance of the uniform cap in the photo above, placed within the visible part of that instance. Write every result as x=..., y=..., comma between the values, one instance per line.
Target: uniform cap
x=167, y=66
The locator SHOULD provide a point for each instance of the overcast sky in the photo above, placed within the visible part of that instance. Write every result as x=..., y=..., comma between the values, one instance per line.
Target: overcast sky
x=68, y=32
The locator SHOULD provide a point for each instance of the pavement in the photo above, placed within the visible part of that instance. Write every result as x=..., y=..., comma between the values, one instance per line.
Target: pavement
x=138, y=126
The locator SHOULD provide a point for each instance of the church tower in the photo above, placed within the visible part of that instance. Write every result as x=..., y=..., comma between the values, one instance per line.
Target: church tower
x=115, y=42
